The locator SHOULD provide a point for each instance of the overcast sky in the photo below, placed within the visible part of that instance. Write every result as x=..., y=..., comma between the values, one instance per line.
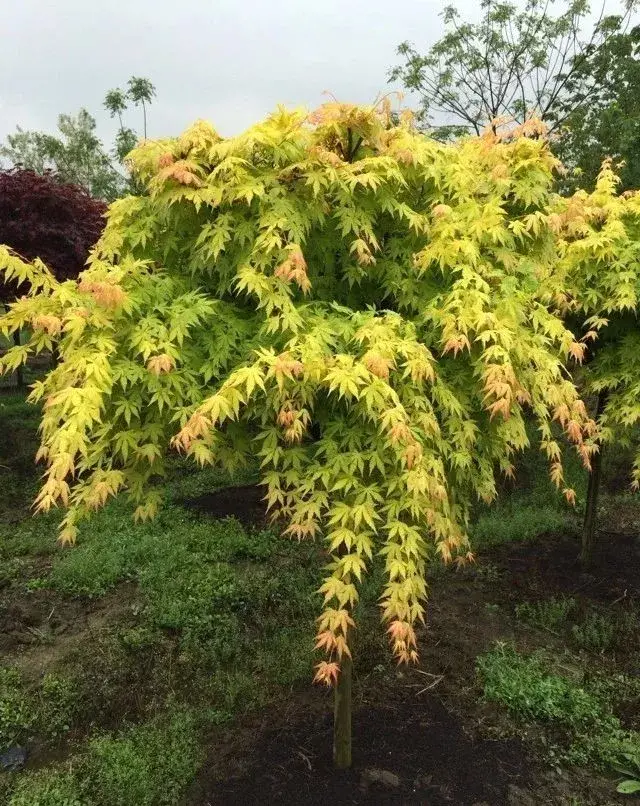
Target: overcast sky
x=229, y=61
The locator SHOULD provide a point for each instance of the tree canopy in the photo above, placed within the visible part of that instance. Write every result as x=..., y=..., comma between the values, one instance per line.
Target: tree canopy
x=357, y=305
x=76, y=155
x=601, y=111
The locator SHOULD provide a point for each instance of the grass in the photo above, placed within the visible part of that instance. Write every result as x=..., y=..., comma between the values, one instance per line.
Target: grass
x=145, y=765
x=591, y=733
x=46, y=710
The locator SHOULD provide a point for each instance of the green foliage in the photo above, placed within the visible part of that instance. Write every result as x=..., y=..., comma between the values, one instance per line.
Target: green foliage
x=629, y=766
x=46, y=710
x=76, y=154
x=516, y=522
x=17, y=717
x=18, y=475
x=550, y=614
x=605, y=631
x=140, y=92
x=533, y=694
x=213, y=584
x=529, y=691
x=604, y=121
x=355, y=305
x=148, y=765
x=48, y=787
x=599, y=274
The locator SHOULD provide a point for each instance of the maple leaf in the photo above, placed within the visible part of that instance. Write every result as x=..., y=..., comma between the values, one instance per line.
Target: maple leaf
x=109, y=295
x=456, y=344
x=50, y=324
x=166, y=159
x=377, y=364
x=441, y=211
x=327, y=673
x=577, y=351
x=326, y=641
x=160, y=364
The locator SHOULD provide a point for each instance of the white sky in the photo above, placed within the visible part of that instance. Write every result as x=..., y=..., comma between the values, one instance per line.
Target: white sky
x=228, y=61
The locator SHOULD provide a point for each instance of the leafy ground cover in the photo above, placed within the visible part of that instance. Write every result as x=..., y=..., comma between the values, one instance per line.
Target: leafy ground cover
x=169, y=663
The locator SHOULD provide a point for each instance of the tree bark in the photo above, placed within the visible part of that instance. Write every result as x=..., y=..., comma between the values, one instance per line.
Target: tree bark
x=342, y=716
x=593, y=490
x=20, y=369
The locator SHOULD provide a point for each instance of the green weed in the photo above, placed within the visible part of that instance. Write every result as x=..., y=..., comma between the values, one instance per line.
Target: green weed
x=148, y=765
x=517, y=521
x=593, y=734
x=606, y=631
x=46, y=710
x=629, y=766
x=48, y=787
x=548, y=615
x=17, y=717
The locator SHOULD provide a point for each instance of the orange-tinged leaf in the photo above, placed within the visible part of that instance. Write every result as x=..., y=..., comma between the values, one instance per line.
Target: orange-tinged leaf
x=327, y=673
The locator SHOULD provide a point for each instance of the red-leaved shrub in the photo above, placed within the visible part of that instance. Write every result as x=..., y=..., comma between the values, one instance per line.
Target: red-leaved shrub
x=43, y=217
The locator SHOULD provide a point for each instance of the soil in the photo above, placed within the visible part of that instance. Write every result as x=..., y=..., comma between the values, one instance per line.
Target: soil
x=245, y=503
x=409, y=752
x=549, y=567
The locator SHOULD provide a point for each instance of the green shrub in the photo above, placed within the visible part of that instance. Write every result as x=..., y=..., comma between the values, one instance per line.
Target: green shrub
x=148, y=765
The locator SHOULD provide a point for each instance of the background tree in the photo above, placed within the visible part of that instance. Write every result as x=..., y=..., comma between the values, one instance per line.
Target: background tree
x=514, y=62
x=43, y=218
x=354, y=304
x=601, y=110
x=77, y=155
x=116, y=103
x=141, y=92
x=599, y=272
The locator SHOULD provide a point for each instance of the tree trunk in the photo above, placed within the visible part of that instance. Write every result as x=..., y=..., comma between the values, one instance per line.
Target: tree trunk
x=342, y=716
x=20, y=369
x=593, y=490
